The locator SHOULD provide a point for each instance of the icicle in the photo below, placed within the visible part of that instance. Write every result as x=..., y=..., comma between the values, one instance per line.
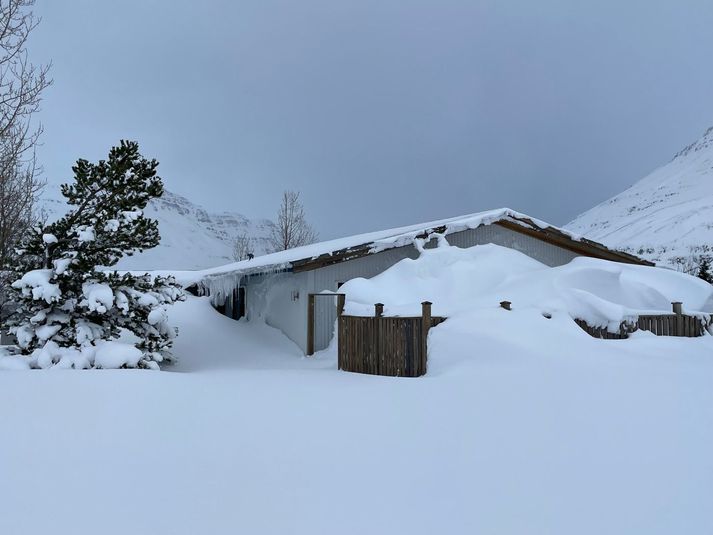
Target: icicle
x=220, y=287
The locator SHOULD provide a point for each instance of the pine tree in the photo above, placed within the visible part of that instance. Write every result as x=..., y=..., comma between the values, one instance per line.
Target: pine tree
x=69, y=312
x=704, y=270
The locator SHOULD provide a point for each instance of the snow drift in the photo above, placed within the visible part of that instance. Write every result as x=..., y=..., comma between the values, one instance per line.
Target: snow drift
x=459, y=280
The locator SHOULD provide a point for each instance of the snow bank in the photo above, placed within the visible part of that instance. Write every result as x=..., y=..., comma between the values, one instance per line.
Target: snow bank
x=458, y=280
x=10, y=361
x=116, y=355
x=106, y=355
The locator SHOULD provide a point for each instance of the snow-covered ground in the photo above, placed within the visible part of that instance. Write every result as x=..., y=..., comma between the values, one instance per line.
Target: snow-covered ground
x=523, y=424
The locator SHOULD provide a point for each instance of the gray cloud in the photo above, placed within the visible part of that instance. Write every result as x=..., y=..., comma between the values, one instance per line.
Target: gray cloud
x=382, y=113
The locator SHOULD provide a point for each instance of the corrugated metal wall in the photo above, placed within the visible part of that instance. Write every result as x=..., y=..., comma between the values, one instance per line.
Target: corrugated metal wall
x=544, y=252
x=280, y=299
x=325, y=315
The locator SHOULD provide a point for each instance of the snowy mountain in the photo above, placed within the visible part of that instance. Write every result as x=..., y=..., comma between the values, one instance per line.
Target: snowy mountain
x=666, y=217
x=191, y=237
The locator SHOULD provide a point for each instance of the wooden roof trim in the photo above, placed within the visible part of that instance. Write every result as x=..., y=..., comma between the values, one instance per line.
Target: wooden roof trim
x=350, y=253
x=583, y=246
x=336, y=257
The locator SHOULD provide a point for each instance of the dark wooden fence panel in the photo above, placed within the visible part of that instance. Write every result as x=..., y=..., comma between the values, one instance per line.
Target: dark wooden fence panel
x=392, y=346
x=602, y=332
x=660, y=325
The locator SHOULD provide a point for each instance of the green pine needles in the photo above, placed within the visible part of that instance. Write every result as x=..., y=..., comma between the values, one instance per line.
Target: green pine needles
x=71, y=310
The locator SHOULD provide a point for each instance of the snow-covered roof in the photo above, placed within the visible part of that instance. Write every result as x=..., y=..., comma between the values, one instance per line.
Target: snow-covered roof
x=362, y=244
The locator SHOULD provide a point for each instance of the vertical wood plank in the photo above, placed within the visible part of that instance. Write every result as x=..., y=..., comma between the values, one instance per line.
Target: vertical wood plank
x=310, y=324
x=392, y=346
x=426, y=325
x=340, y=347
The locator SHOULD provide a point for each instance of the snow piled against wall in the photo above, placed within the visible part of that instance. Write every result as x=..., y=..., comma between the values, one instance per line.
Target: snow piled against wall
x=600, y=292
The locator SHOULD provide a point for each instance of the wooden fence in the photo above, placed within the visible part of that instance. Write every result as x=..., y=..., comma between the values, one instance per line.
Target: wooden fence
x=397, y=346
x=603, y=332
x=378, y=345
x=675, y=324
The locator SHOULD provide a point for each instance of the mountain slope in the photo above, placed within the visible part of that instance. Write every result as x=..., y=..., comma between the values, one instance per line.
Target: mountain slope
x=666, y=217
x=191, y=237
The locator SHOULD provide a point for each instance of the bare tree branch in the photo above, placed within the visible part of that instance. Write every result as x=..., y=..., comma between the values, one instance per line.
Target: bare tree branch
x=292, y=229
x=243, y=248
x=21, y=86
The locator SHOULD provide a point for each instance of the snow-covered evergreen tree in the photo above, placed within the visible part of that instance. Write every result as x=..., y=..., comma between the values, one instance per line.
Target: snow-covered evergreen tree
x=69, y=312
x=704, y=270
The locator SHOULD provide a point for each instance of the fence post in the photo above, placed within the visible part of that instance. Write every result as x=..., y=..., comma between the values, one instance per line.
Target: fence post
x=340, y=304
x=378, y=310
x=375, y=357
x=678, y=310
x=506, y=305
x=426, y=319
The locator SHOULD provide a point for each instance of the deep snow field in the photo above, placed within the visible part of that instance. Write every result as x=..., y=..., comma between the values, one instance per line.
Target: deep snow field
x=523, y=425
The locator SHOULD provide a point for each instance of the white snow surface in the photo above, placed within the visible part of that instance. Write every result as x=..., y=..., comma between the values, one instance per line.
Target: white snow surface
x=667, y=214
x=104, y=355
x=191, y=237
x=457, y=280
x=116, y=354
x=523, y=424
x=38, y=284
x=98, y=297
x=86, y=234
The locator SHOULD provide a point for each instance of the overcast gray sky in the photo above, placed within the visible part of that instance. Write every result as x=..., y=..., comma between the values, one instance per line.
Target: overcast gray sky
x=381, y=113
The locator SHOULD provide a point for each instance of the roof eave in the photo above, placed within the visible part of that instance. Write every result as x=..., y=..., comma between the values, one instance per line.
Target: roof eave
x=521, y=224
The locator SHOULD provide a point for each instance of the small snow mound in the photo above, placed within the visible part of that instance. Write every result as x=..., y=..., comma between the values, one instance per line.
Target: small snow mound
x=85, y=234
x=105, y=355
x=116, y=355
x=37, y=283
x=9, y=361
x=98, y=297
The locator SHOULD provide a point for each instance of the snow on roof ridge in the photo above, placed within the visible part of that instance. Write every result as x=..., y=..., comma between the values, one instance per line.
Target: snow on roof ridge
x=378, y=240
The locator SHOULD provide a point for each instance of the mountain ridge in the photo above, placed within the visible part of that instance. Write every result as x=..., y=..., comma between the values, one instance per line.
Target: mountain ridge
x=665, y=217
x=191, y=236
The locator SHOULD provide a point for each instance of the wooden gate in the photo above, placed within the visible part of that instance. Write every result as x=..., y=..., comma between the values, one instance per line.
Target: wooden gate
x=312, y=317
x=378, y=345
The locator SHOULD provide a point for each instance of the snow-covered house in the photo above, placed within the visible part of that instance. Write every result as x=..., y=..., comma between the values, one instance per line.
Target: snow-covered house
x=277, y=287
